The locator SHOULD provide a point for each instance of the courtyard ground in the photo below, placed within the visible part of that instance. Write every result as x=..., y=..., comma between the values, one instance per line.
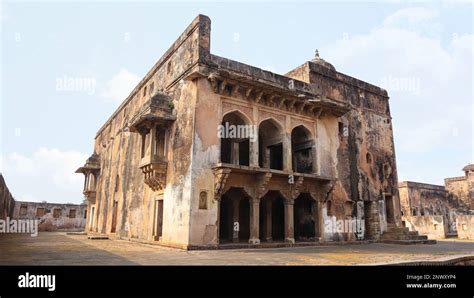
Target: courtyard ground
x=62, y=249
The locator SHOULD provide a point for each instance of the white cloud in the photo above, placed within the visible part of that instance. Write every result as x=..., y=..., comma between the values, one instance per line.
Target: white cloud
x=120, y=85
x=47, y=174
x=437, y=116
x=410, y=15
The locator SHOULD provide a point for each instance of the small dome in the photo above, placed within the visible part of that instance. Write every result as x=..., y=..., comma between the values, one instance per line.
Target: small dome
x=469, y=167
x=322, y=62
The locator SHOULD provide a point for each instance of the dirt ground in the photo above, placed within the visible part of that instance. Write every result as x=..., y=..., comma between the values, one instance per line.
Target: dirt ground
x=62, y=249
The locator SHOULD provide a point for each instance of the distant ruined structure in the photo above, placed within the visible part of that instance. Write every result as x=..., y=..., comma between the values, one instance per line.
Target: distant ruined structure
x=7, y=202
x=50, y=216
x=53, y=217
x=440, y=211
x=323, y=149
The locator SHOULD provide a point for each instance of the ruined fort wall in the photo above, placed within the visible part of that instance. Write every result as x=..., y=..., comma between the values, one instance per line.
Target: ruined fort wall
x=52, y=216
x=7, y=202
x=433, y=226
x=465, y=226
x=459, y=188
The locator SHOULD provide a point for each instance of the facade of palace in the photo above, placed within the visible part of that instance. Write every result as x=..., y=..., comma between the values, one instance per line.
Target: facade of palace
x=319, y=146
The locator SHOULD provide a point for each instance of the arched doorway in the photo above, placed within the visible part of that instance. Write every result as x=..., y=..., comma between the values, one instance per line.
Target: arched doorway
x=235, y=148
x=304, y=218
x=270, y=145
x=234, y=211
x=272, y=217
x=301, y=148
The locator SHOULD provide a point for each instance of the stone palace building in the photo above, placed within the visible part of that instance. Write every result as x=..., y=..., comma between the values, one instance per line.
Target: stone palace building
x=322, y=149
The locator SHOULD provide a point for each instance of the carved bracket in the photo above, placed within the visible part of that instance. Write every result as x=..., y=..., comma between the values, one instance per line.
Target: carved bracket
x=220, y=178
x=261, y=186
x=155, y=174
x=297, y=188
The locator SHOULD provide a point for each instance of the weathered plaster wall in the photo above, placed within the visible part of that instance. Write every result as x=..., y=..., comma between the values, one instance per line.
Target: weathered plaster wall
x=121, y=179
x=461, y=188
x=47, y=222
x=365, y=159
x=465, y=226
x=421, y=199
x=7, y=202
x=433, y=226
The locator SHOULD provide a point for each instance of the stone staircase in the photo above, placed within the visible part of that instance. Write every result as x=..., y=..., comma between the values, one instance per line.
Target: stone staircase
x=402, y=235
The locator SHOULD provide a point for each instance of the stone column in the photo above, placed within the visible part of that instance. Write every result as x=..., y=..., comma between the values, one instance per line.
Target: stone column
x=289, y=221
x=254, y=220
x=318, y=220
x=287, y=154
x=235, y=218
x=253, y=162
x=266, y=158
x=314, y=158
x=268, y=220
x=235, y=153
x=372, y=221
x=152, y=142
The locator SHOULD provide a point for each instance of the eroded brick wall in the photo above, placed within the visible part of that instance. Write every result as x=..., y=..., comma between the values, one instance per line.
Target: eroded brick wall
x=51, y=216
x=7, y=202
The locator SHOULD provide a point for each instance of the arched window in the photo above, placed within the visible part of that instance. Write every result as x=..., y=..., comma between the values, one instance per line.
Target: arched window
x=235, y=139
x=270, y=145
x=301, y=148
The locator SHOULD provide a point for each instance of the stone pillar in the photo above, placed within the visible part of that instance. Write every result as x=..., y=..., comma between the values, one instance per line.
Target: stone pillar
x=314, y=158
x=253, y=162
x=235, y=153
x=287, y=155
x=372, y=221
x=318, y=220
x=268, y=220
x=254, y=220
x=235, y=218
x=253, y=158
x=289, y=221
x=152, y=142
x=266, y=158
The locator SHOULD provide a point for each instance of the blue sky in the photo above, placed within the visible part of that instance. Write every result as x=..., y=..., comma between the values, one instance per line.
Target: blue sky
x=421, y=52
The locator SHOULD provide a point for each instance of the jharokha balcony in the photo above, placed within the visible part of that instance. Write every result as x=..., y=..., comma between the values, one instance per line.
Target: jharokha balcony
x=91, y=171
x=153, y=122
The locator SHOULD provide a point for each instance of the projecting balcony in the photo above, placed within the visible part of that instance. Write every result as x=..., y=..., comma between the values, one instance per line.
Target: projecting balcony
x=157, y=110
x=153, y=123
x=91, y=171
x=154, y=171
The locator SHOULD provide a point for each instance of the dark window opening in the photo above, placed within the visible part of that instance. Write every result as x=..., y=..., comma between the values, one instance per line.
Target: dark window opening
x=301, y=145
x=23, y=210
x=304, y=221
x=40, y=212
x=270, y=143
x=56, y=212
x=235, y=146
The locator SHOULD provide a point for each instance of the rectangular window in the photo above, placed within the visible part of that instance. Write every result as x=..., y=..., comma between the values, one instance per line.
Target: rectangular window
x=23, y=209
x=56, y=212
x=39, y=212
x=72, y=213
